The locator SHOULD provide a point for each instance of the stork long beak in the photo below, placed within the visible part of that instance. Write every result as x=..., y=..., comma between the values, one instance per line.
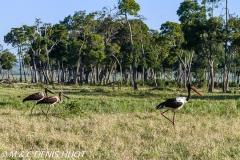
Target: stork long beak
x=66, y=96
x=50, y=91
x=197, y=92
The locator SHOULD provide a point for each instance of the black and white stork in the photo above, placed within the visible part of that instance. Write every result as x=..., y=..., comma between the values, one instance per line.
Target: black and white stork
x=52, y=100
x=176, y=103
x=37, y=97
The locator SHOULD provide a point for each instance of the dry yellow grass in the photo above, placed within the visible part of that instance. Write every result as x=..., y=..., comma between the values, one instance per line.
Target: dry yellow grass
x=123, y=136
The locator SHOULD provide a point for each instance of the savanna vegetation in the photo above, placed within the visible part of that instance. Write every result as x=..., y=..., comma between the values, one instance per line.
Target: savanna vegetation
x=121, y=123
x=115, y=45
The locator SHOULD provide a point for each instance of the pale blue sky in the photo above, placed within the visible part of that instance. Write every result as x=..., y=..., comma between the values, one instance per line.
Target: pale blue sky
x=15, y=13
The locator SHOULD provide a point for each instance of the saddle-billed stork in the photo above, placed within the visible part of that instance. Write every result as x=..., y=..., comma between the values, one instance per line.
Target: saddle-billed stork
x=37, y=97
x=52, y=100
x=176, y=103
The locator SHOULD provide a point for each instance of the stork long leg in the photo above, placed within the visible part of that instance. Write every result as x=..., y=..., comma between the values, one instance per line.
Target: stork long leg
x=47, y=111
x=32, y=110
x=33, y=107
x=42, y=110
x=167, y=117
x=174, y=118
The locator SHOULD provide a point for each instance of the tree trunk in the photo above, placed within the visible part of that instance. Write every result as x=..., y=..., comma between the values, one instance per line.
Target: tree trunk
x=225, y=75
x=121, y=74
x=63, y=74
x=35, y=78
x=87, y=77
x=238, y=77
x=79, y=62
x=155, y=77
x=102, y=75
x=211, y=86
x=185, y=76
x=20, y=69
x=95, y=75
x=126, y=76
x=111, y=69
x=8, y=75
x=179, y=76
x=75, y=77
x=143, y=57
x=58, y=72
x=81, y=71
x=66, y=75
x=24, y=73
x=47, y=69
x=143, y=76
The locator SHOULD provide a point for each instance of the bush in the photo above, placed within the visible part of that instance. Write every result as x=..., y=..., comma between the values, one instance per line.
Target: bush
x=220, y=85
x=200, y=78
x=172, y=83
x=201, y=83
x=161, y=83
x=150, y=82
x=233, y=84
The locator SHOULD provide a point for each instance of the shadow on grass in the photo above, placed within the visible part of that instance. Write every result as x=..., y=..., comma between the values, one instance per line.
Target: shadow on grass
x=5, y=114
x=114, y=94
x=219, y=97
x=3, y=103
x=156, y=92
x=37, y=114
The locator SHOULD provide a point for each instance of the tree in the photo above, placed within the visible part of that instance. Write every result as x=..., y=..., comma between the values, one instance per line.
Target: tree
x=156, y=53
x=8, y=60
x=17, y=38
x=201, y=34
x=94, y=55
x=130, y=7
x=52, y=35
x=143, y=27
x=108, y=28
x=80, y=26
x=173, y=35
x=142, y=42
x=64, y=54
x=232, y=45
x=210, y=5
x=34, y=42
x=124, y=57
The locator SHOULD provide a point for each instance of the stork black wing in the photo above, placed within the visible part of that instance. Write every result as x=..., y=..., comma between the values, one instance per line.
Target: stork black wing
x=48, y=100
x=172, y=103
x=35, y=96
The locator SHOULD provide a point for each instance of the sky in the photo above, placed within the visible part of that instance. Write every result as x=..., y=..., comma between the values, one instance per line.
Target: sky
x=15, y=13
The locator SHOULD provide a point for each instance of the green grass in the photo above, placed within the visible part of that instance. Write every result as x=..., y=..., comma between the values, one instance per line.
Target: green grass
x=121, y=123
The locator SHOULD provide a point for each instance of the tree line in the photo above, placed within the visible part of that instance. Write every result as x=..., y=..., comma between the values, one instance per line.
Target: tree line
x=91, y=47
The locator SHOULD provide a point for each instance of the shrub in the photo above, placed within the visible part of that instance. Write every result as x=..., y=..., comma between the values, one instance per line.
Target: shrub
x=233, y=84
x=172, y=83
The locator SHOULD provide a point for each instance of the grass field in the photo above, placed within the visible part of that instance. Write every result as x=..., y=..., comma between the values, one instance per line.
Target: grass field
x=118, y=123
